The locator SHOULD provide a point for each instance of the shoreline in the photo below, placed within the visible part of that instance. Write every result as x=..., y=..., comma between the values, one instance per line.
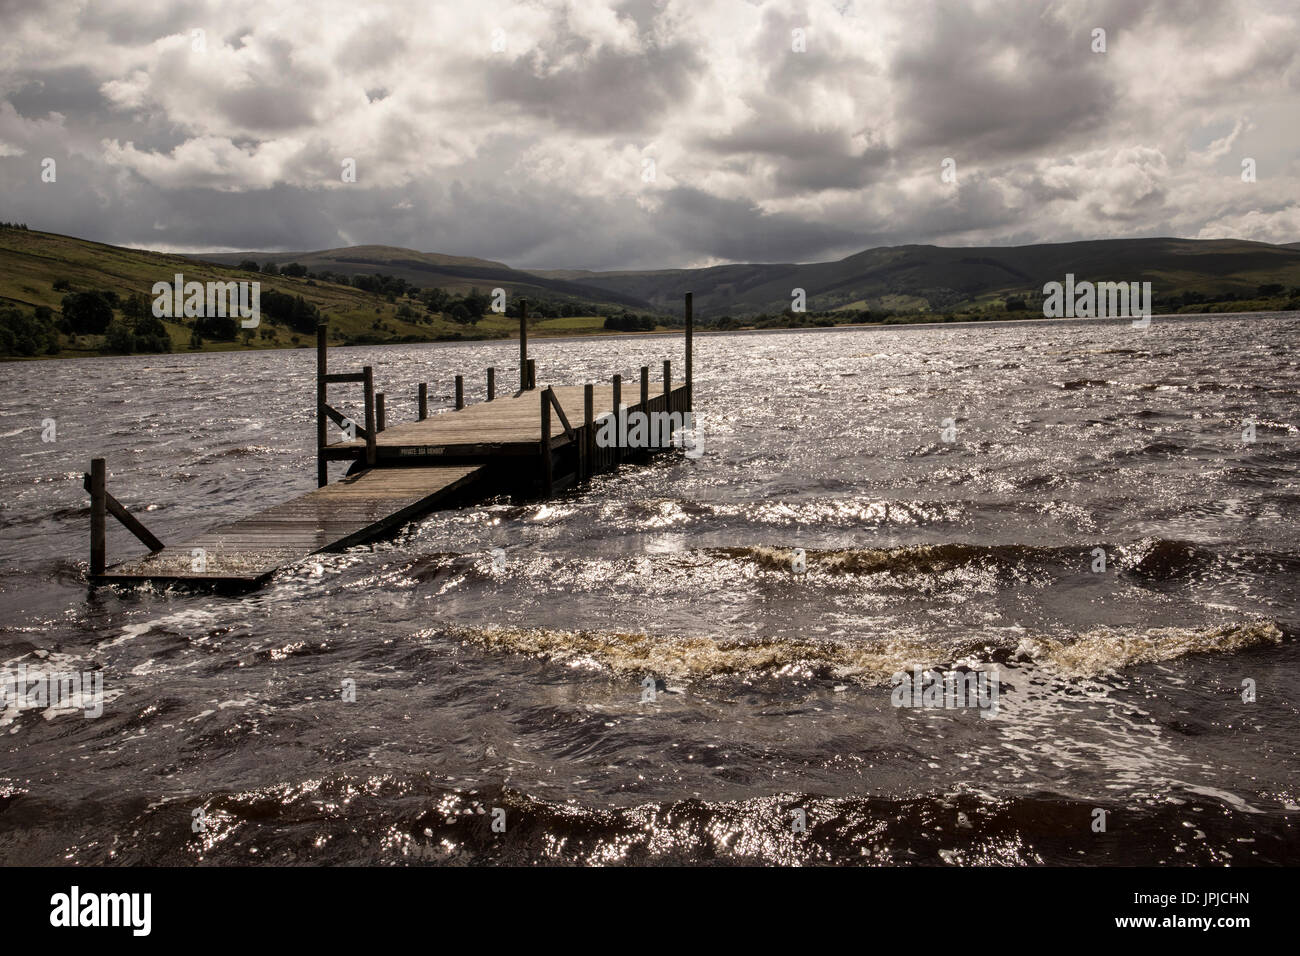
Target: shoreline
x=603, y=334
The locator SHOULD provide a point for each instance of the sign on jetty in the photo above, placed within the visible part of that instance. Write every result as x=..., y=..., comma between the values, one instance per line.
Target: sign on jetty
x=527, y=443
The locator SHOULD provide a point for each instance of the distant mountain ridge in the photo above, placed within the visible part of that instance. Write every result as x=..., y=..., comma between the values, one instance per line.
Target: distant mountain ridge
x=924, y=277
x=425, y=269
x=945, y=277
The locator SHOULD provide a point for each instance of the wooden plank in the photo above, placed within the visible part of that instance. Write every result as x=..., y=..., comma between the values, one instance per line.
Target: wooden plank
x=322, y=437
x=588, y=429
x=348, y=512
x=118, y=511
x=341, y=377
x=618, y=415
x=690, y=335
x=343, y=421
x=545, y=449
x=559, y=410
x=523, y=345
x=98, y=515
x=368, y=383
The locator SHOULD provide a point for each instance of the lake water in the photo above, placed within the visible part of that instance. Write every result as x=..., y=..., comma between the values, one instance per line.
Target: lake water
x=948, y=486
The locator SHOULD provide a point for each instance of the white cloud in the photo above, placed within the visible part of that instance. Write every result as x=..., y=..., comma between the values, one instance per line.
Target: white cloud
x=528, y=143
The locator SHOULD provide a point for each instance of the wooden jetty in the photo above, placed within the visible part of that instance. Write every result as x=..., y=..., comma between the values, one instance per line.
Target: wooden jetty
x=533, y=441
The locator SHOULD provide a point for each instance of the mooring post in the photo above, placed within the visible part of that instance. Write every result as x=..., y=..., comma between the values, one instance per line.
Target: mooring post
x=690, y=330
x=668, y=385
x=368, y=380
x=492, y=383
x=618, y=418
x=424, y=400
x=523, y=345
x=379, y=411
x=98, y=513
x=532, y=373
x=460, y=392
x=645, y=388
x=322, y=436
x=589, y=428
x=547, y=478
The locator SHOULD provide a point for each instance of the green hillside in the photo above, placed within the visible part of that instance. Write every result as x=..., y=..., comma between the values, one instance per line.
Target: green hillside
x=39, y=270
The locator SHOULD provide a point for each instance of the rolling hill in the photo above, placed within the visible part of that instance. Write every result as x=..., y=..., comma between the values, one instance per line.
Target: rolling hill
x=425, y=269
x=38, y=269
x=937, y=278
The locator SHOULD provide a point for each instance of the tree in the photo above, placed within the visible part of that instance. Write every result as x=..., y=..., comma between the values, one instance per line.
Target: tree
x=248, y=265
x=87, y=313
x=26, y=335
x=150, y=334
x=136, y=307
x=119, y=338
x=221, y=327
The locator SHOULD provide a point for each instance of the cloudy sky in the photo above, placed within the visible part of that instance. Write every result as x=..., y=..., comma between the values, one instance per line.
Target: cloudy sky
x=648, y=133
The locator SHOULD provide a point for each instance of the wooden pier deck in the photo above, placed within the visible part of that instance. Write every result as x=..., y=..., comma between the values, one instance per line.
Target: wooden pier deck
x=507, y=425
x=531, y=442
x=350, y=511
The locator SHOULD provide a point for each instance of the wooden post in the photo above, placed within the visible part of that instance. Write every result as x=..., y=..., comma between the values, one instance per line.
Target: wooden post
x=368, y=380
x=645, y=388
x=424, y=400
x=532, y=373
x=690, y=330
x=618, y=418
x=460, y=392
x=523, y=345
x=322, y=436
x=379, y=411
x=492, y=383
x=668, y=385
x=98, y=512
x=589, y=428
x=547, y=478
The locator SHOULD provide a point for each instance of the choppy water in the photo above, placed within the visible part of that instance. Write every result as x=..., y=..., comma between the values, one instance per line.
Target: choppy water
x=520, y=687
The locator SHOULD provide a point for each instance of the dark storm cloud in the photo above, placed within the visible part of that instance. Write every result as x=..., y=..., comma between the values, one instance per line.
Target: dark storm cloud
x=740, y=230
x=131, y=23
x=72, y=91
x=607, y=91
x=983, y=87
x=803, y=159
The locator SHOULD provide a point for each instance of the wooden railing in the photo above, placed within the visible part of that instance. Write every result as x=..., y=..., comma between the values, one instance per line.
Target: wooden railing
x=325, y=413
x=103, y=504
